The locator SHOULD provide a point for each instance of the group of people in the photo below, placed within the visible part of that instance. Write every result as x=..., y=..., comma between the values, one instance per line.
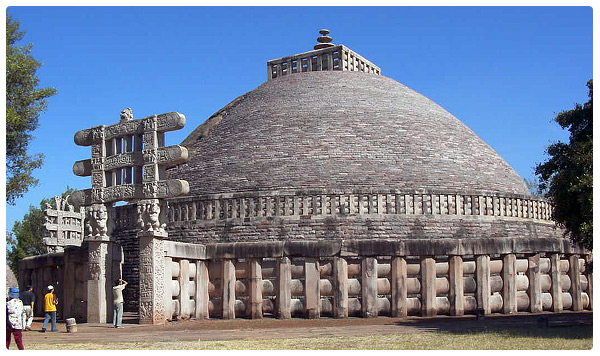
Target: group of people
x=19, y=311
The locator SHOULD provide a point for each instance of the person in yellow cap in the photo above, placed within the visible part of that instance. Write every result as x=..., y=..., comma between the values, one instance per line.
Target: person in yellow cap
x=50, y=302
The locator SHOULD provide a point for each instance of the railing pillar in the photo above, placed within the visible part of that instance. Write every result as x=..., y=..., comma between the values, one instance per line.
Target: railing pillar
x=535, y=287
x=556, y=289
x=255, y=297
x=369, y=287
x=184, y=292
x=228, y=286
x=399, y=287
x=202, y=297
x=574, y=273
x=483, y=291
x=456, y=293
x=284, y=293
x=509, y=284
x=590, y=278
x=312, y=293
x=428, y=287
x=168, y=277
x=340, y=294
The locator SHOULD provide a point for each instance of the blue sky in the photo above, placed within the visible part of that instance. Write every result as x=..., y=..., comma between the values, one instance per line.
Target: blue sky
x=503, y=71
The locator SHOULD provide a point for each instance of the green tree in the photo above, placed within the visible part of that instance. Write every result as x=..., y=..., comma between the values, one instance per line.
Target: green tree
x=24, y=103
x=533, y=185
x=27, y=236
x=567, y=174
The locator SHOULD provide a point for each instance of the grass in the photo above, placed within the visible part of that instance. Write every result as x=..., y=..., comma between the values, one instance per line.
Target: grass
x=571, y=338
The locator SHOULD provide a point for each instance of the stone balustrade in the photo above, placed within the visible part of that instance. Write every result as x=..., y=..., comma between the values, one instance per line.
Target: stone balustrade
x=313, y=279
x=69, y=272
x=337, y=57
x=343, y=278
x=251, y=205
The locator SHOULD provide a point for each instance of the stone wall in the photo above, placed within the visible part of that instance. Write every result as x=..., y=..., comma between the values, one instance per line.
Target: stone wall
x=69, y=273
x=66, y=272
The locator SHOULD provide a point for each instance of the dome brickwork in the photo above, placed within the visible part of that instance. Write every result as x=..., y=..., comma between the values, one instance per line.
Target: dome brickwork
x=346, y=155
x=340, y=131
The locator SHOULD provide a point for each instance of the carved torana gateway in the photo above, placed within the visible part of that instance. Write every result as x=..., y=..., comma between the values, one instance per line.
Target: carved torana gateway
x=63, y=226
x=128, y=164
x=128, y=160
x=328, y=191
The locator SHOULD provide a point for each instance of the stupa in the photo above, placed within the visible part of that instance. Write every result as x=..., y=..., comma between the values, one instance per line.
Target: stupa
x=333, y=191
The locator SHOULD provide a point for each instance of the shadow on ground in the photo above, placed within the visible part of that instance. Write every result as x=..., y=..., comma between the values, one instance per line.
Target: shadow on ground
x=569, y=325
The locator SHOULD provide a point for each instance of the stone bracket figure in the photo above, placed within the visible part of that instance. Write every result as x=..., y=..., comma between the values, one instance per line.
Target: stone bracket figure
x=148, y=216
x=96, y=222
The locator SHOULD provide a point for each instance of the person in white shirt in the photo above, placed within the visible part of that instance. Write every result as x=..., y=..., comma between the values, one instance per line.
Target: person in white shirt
x=118, y=302
x=14, y=318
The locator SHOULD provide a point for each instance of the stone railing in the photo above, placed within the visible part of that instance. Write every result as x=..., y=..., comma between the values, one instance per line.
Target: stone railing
x=337, y=57
x=372, y=278
x=66, y=272
x=69, y=271
x=250, y=205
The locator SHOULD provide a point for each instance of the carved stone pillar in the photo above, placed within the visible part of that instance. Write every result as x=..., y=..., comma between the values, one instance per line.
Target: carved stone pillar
x=152, y=263
x=99, y=263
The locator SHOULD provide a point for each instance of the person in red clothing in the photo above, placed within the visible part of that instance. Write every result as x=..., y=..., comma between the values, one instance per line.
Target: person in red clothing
x=14, y=318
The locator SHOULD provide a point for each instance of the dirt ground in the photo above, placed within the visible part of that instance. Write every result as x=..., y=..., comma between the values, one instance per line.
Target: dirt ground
x=268, y=328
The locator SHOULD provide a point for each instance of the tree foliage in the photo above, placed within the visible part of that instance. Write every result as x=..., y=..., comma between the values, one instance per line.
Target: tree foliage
x=533, y=185
x=567, y=174
x=27, y=236
x=24, y=103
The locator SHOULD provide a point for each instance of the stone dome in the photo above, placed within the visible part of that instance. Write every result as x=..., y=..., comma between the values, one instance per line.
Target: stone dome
x=340, y=131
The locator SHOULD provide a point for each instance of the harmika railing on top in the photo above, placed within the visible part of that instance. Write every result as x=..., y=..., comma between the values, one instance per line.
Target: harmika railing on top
x=337, y=57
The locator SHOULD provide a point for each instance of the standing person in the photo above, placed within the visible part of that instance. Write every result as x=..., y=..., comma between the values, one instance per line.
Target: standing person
x=50, y=302
x=118, y=302
x=14, y=318
x=28, y=299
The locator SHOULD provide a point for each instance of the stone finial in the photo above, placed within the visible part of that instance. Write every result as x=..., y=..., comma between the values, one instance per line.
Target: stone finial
x=324, y=40
x=126, y=114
